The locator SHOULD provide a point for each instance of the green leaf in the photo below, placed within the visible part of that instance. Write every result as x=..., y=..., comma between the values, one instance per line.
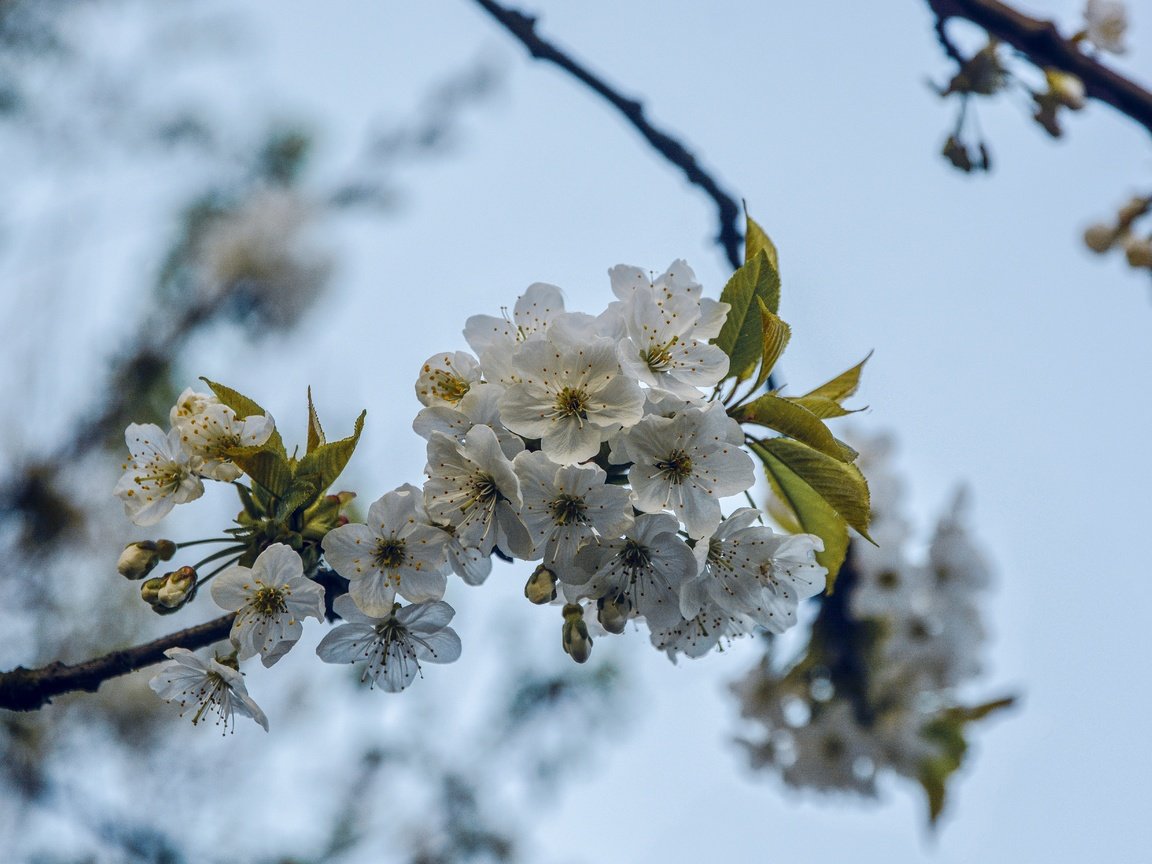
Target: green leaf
x=794, y=421
x=839, y=483
x=776, y=335
x=742, y=337
x=315, y=430
x=245, y=407
x=842, y=386
x=946, y=732
x=822, y=406
x=266, y=467
x=756, y=240
x=324, y=464
x=812, y=514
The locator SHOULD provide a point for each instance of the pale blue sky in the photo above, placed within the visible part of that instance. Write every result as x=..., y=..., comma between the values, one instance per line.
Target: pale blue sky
x=1006, y=356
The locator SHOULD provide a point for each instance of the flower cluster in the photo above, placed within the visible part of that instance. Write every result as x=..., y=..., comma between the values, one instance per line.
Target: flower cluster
x=876, y=690
x=588, y=443
x=594, y=445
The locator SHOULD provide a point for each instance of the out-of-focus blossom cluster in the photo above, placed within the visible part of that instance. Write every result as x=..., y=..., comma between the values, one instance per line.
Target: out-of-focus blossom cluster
x=877, y=689
x=258, y=256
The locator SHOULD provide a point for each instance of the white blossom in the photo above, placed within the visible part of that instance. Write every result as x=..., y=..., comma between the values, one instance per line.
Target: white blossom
x=210, y=434
x=391, y=647
x=190, y=403
x=159, y=475
x=269, y=600
x=664, y=348
x=571, y=396
x=677, y=281
x=446, y=378
x=566, y=507
x=641, y=571
x=686, y=464
x=396, y=551
x=698, y=634
x=480, y=406
x=495, y=340
x=473, y=488
x=748, y=569
x=208, y=686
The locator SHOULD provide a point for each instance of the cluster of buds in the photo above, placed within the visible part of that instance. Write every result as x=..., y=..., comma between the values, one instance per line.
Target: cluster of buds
x=1121, y=233
x=172, y=591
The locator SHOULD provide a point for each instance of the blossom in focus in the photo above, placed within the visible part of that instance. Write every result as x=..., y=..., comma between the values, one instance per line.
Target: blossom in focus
x=571, y=396
x=665, y=348
x=391, y=647
x=495, y=340
x=210, y=434
x=566, y=507
x=480, y=406
x=395, y=551
x=640, y=571
x=473, y=488
x=159, y=477
x=208, y=686
x=748, y=569
x=1106, y=22
x=446, y=378
x=190, y=403
x=269, y=600
x=686, y=464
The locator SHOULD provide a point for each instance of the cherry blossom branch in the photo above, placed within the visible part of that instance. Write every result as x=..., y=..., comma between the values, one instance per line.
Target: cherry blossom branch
x=30, y=689
x=523, y=27
x=1041, y=43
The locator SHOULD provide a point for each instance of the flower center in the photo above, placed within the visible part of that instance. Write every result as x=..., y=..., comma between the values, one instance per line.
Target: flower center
x=390, y=554
x=484, y=489
x=568, y=509
x=572, y=403
x=677, y=467
x=659, y=357
x=269, y=601
x=448, y=386
x=635, y=556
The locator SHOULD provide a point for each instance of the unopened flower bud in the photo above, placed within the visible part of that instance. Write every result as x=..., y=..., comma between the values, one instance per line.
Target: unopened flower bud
x=577, y=643
x=1099, y=238
x=1132, y=211
x=541, y=586
x=613, y=613
x=138, y=559
x=150, y=589
x=1138, y=251
x=179, y=587
x=956, y=153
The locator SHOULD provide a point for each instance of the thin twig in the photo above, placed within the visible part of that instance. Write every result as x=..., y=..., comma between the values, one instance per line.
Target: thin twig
x=1042, y=44
x=29, y=689
x=523, y=27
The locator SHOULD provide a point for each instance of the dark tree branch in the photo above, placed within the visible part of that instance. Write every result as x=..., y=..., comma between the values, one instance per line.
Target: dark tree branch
x=1043, y=45
x=523, y=27
x=29, y=689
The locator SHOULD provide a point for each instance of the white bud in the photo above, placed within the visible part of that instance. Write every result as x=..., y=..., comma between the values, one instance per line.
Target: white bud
x=138, y=559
